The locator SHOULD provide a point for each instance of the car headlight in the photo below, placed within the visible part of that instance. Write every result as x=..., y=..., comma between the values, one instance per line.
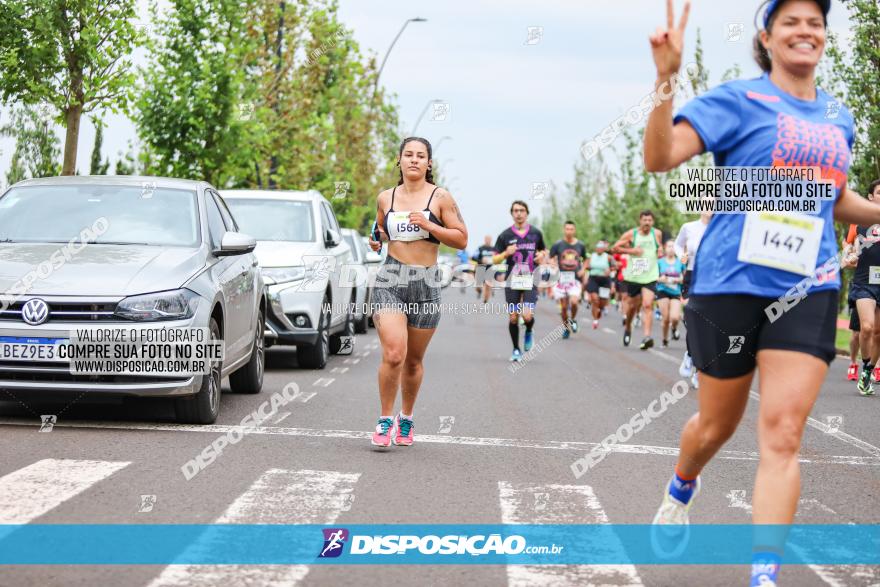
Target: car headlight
x=178, y=304
x=273, y=275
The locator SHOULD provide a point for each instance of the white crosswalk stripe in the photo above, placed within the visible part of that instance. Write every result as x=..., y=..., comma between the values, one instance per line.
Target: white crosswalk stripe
x=279, y=496
x=30, y=492
x=525, y=503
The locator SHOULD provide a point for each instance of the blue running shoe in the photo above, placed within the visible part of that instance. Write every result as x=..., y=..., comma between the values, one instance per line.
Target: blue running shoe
x=516, y=356
x=566, y=333
x=527, y=341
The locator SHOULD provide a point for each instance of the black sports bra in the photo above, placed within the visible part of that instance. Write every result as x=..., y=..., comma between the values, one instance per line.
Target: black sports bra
x=431, y=238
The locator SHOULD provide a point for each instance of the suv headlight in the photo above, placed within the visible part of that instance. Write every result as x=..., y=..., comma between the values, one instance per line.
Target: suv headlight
x=178, y=304
x=273, y=275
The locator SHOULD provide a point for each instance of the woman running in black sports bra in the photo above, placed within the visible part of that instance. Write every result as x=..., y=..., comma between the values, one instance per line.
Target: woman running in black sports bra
x=415, y=217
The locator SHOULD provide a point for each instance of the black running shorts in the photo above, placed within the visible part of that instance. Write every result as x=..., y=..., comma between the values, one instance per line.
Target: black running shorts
x=854, y=323
x=725, y=332
x=517, y=299
x=686, y=283
x=597, y=281
x=635, y=289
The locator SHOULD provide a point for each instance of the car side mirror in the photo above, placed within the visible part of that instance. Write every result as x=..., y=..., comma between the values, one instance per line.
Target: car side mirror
x=332, y=238
x=235, y=243
x=373, y=257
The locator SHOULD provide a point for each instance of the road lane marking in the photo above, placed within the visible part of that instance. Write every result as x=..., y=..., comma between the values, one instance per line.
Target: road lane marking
x=609, y=331
x=559, y=504
x=279, y=496
x=840, y=435
x=32, y=491
x=360, y=436
x=738, y=500
x=339, y=369
x=323, y=382
x=283, y=416
x=663, y=355
x=351, y=361
x=811, y=422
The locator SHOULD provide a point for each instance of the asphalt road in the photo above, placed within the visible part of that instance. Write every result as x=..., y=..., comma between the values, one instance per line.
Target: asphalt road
x=491, y=447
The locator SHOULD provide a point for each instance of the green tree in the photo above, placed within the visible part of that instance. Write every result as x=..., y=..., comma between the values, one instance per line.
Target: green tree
x=70, y=54
x=268, y=94
x=856, y=75
x=188, y=105
x=97, y=167
x=36, y=146
x=312, y=94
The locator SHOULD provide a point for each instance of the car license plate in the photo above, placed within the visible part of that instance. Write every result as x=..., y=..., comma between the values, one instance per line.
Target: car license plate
x=14, y=348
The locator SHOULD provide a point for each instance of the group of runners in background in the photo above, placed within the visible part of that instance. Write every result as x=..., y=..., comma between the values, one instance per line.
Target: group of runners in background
x=637, y=272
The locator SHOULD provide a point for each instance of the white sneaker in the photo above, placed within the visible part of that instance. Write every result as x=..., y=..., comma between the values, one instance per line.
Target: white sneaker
x=673, y=511
x=687, y=365
x=694, y=381
x=765, y=581
x=670, y=531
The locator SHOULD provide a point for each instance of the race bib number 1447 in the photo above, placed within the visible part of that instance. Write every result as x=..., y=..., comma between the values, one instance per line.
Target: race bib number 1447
x=789, y=242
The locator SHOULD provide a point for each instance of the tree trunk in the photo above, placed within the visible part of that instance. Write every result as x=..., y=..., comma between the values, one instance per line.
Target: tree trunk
x=279, y=38
x=71, y=140
x=72, y=117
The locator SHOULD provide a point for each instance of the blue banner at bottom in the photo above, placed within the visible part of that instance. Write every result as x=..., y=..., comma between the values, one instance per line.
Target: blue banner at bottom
x=155, y=544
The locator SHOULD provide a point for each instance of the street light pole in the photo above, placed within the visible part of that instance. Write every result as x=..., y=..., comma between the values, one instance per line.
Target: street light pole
x=440, y=142
x=388, y=52
x=422, y=115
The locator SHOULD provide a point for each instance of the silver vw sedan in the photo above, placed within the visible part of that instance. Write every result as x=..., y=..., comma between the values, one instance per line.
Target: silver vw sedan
x=133, y=253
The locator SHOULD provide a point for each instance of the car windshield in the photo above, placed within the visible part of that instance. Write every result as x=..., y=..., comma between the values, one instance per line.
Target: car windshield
x=273, y=220
x=100, y=214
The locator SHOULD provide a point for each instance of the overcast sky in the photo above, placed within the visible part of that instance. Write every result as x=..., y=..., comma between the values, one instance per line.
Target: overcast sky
x=518, y=107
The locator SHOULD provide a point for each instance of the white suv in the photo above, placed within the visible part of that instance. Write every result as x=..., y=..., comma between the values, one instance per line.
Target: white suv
x=301, y=252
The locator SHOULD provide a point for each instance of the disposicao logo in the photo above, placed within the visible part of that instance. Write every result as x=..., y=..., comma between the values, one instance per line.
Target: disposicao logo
x=334, y=541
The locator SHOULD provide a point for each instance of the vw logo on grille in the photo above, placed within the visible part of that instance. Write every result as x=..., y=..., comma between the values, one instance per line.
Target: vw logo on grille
x=35, y=311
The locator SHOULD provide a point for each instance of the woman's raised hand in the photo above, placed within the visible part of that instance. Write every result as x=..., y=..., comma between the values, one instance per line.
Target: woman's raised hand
x=667, y=43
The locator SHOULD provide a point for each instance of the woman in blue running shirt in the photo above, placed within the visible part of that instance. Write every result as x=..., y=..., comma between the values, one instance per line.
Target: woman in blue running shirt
x=669, y=291
x=735, y=320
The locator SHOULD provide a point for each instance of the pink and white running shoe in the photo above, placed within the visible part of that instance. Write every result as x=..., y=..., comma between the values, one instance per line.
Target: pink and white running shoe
x=382, y=434
x=403, y=431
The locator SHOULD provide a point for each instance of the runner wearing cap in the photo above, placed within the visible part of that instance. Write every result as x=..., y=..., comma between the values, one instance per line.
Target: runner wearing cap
x=599, y=265
x=778, y=119
x=669, y=292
